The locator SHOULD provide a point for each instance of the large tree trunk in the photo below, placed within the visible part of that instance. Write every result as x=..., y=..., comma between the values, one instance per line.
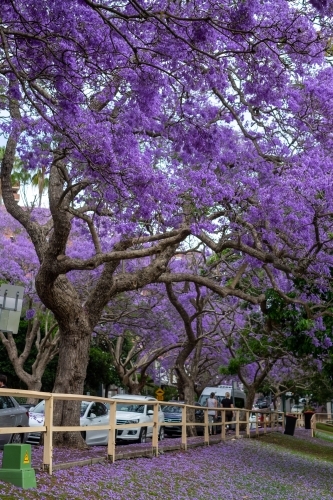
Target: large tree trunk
x=70, y=377
x=187, y=384
x=133, y=387
x=250, y=395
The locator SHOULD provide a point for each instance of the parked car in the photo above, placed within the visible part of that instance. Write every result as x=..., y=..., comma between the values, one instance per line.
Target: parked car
x=262, y=403
x=133, y=411
x=173, y=413
x=297, y=408
x=253, y=419
x=12, y=415
x=260, y=416
x=91, y=413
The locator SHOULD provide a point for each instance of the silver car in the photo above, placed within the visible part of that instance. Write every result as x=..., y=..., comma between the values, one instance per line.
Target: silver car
x=12, y=415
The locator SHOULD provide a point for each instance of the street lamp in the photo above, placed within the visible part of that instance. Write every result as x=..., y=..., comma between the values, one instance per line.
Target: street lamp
x=11, y=300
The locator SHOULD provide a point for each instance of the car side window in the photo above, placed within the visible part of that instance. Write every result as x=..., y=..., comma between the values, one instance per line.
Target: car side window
x=98, y=409
x=101, y=409
x=5, y=402
x=92, y=410
x=150, y=407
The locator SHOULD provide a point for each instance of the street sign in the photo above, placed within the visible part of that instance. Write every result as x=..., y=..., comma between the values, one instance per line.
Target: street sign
x=159, y=394
x=11, y=299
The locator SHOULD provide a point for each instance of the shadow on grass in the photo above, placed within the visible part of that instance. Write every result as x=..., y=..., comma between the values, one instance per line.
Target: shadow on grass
x=309, y=448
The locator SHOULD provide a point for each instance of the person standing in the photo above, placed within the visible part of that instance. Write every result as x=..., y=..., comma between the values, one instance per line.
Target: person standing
x=227, y=403
x=3, y=381
x=212, y=405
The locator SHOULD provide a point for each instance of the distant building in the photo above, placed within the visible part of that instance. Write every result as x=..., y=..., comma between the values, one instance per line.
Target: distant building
x=15, y=189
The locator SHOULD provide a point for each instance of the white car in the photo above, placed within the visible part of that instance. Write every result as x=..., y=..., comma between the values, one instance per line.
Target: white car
x=297, y=408
x=91, y=413
x=133, y=411
x=258, y=418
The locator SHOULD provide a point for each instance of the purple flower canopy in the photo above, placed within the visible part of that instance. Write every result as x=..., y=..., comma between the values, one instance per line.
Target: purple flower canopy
x=157, y=114
x=168, y=130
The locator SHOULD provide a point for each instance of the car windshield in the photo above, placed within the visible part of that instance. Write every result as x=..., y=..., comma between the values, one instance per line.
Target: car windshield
x=203, y=400
x=172, y=409
x=84, y=406
x=40, y=408
x=130, y=407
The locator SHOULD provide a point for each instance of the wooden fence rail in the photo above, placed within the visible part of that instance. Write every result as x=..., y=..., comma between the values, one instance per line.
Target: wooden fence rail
x=325, y=424
x=240, y=421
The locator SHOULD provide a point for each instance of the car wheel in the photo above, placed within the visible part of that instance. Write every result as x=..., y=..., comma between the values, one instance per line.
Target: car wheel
x=83, y=434
x=16, y=439
x=143, y=436
x=161, y=434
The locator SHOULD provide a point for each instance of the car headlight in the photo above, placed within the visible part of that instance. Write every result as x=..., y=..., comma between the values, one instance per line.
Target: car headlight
x=134, y=421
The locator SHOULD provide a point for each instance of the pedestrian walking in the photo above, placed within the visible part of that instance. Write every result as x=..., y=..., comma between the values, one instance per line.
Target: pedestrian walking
x=227, y=403
x=212, y=405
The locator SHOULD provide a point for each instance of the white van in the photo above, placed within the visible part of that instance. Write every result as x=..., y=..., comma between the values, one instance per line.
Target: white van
x=236, y=394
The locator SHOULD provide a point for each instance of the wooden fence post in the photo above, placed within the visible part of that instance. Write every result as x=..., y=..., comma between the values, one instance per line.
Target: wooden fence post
x=248, y=424
x=184, y=428
x=155, y=429
x=313, y=425
x=257, y=424
x=48, y=436
x=223, y=428
x=111, y=451
x=206, y=432
x=237, y=423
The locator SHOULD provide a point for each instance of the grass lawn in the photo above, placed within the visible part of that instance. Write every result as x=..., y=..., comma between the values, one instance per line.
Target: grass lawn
x=274, y=466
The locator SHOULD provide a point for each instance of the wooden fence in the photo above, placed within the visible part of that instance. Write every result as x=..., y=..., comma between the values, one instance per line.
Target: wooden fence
x=322, y=422
x=240, y=422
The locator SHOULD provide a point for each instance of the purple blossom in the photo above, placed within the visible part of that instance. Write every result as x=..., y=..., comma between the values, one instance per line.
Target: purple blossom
x=30, y=313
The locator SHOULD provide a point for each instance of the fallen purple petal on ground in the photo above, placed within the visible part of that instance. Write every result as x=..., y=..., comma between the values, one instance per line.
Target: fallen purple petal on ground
x=236, y=469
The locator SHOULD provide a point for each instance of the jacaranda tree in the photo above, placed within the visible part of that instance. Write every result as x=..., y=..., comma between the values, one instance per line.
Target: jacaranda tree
x=154, y=120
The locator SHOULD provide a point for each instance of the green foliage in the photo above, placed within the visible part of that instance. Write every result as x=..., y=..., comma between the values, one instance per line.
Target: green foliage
x=295, y=323
x=321, y=386
x=232, y=368
x=100, y=370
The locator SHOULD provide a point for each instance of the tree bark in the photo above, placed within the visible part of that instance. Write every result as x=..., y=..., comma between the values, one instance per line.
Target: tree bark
x=250, y=395
x=189, y=398
x=70, y=377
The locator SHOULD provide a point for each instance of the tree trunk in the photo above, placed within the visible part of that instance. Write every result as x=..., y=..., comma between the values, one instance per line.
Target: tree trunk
x=180, y=388
x=133, y=388
x=71, y=374
x=250, y=395
x=33, y=386
x=189, y=397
